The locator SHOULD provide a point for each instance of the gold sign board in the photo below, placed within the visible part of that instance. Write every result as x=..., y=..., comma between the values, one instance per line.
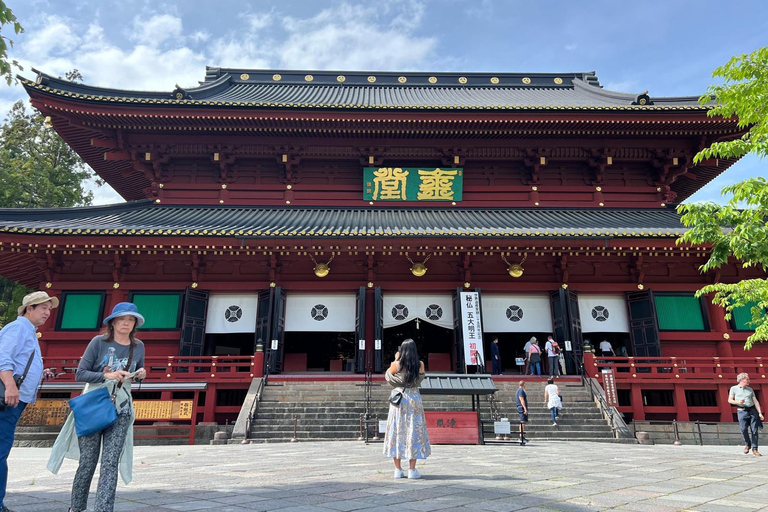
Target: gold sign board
x=55, y=412
x=163, y=409
x=45, y=412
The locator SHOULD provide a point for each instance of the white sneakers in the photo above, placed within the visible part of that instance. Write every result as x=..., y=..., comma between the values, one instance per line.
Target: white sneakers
x=413, y=474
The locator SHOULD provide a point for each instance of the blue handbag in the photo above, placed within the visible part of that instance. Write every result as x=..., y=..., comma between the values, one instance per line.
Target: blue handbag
x=94, y=411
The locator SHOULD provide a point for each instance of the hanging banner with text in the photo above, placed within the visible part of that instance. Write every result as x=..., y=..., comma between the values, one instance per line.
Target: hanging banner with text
x=472, y=327
x=412, y=184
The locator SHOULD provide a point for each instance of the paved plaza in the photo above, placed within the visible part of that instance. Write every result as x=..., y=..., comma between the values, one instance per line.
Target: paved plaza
x=346, y=476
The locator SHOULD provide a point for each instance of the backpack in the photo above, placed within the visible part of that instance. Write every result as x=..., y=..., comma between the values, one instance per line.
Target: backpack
x=555, y=347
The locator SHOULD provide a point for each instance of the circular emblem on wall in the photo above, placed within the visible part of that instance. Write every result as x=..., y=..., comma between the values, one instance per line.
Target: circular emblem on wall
x=319, y=312
x=400, y=312
x=600, y=313
x=514, y=313
x=233, y=313
x=434, y=312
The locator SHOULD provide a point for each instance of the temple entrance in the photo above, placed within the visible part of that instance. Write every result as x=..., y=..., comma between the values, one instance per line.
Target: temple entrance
x=229, y=344
x=620, y=342
x=511, y=346
x=319, y=333
x=319, y=351
x=434, y=343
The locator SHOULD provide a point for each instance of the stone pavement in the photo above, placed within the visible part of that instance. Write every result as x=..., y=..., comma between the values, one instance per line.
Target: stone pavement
x=346, y=476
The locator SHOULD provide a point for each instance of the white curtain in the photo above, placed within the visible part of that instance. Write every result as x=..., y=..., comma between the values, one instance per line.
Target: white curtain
x=436, y=309
x=231, y=313
x=320, y=312
x=603, y=313
x=516, y=313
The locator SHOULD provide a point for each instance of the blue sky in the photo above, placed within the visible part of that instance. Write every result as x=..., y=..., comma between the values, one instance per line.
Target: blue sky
x=666, y=47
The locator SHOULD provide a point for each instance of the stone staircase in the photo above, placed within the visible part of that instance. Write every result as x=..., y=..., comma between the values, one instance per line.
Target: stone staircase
x=35, y=437
x=580, y=418
x=331, y=410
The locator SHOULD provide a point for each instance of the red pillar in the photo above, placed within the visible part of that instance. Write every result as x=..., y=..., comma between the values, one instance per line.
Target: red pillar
x=589, y=364
x=258, y=364
x=726, y=409
x=209, y=414
x=681, y=404
x=638, y=409
x=716, y=317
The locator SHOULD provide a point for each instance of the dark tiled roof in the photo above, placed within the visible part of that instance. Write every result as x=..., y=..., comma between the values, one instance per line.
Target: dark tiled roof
x=144, y=218
x=379, y=91
x=454, y=384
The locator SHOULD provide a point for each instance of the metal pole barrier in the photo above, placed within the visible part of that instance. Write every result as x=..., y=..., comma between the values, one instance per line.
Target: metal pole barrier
x=376, y=428
x=361, y=438
x=295, y=420
x=698, y=427
x=677, y=436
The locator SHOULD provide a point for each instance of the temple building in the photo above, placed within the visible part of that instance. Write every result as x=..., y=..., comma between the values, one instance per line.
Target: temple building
x=323, y=217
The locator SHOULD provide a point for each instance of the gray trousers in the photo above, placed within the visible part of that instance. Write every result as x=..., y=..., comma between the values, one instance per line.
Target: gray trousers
x=113, y=438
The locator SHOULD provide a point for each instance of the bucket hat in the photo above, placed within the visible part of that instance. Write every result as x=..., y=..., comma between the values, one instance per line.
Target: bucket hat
x=125, y=309
x=35, y=298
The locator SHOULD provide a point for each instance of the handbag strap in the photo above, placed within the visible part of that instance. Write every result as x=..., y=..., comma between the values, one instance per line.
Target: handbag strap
x=26, y=370
x=128, y=365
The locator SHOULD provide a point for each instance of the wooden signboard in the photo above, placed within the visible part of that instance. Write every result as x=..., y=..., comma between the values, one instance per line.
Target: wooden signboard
x=451, y=427
x=45, y=412
x=163, y=409
x=55, y=412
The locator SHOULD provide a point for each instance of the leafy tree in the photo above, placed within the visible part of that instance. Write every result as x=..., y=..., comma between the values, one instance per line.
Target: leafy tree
x=11, y=294
x=740, y=227
x=8, y=18
x=37, y=168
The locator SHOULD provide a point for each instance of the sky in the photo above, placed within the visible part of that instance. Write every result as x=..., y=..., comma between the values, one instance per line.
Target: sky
x=668, y=48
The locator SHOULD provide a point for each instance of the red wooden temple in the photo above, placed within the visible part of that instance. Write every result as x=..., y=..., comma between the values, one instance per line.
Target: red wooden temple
x=321, y=217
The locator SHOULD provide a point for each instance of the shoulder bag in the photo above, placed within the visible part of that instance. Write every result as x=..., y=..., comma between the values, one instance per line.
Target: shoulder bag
x=18, y=379
x=395, y=397
x=95, y=411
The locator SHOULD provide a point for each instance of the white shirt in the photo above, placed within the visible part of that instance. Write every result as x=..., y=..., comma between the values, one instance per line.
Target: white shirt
x=605, y=346
x=553, y=399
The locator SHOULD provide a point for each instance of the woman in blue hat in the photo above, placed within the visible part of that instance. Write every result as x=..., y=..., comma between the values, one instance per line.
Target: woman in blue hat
x=111, y=359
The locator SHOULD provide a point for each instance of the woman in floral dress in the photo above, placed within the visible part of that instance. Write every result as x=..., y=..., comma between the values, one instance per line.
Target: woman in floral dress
x=406, y=436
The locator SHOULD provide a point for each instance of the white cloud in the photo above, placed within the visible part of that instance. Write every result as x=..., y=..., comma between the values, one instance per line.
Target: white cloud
x=572, y=46
x=346, y=36
x=104, y=194
x=353, y=37
x=55, y=37
x=155, y=30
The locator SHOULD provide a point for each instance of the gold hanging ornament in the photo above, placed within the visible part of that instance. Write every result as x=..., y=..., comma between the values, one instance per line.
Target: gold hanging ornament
x=322, y=269
x=418, y=269
x=515, y=269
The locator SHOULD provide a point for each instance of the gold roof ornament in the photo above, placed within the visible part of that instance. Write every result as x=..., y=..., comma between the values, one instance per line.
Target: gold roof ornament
x=515, y=269
x=418, y=269
x=322, y=269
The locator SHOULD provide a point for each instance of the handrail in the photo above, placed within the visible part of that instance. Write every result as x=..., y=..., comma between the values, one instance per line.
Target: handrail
x=254, y=407
x=232, y=369
x=617, y=424
x=678, y=368
x=367, y=390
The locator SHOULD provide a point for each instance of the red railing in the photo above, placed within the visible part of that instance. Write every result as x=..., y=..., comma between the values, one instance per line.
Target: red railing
x=690, y=369
x=177, y=368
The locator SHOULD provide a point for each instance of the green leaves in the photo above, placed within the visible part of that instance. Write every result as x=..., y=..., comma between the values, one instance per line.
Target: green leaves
x=37, y=168
x=744, y=94
x=750, y=292
x=8, y=18
x=740, y=227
